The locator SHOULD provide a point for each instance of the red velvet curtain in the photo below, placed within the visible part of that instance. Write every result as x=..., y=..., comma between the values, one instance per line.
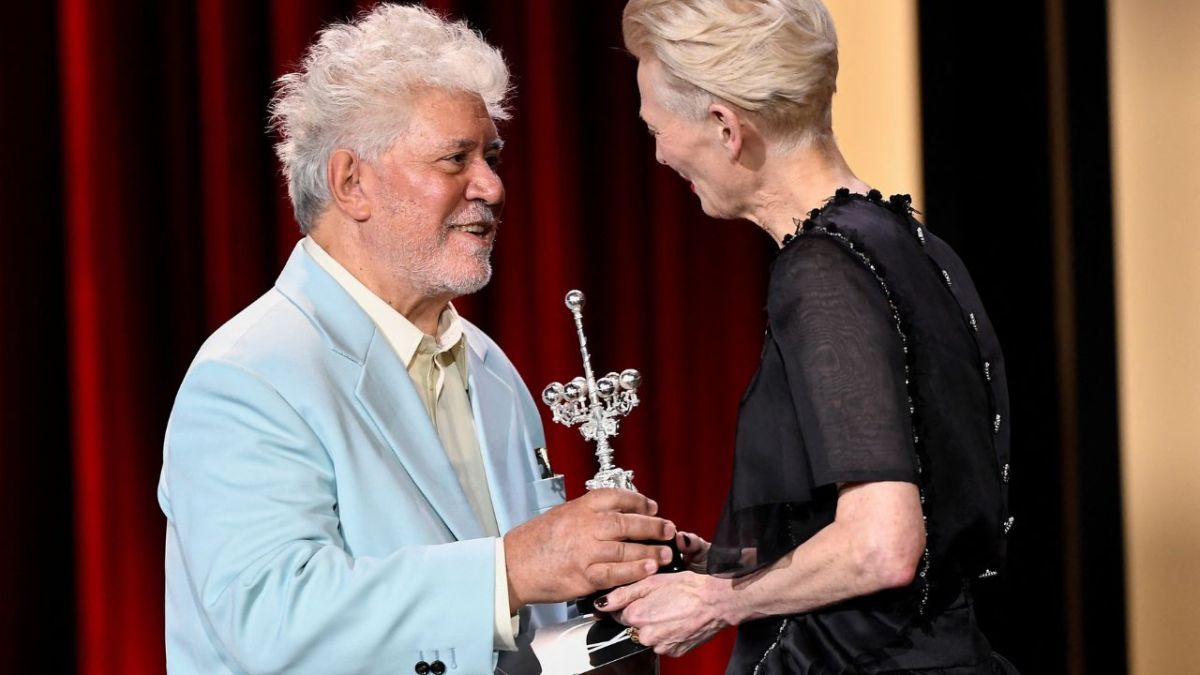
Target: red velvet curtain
x=173, y=217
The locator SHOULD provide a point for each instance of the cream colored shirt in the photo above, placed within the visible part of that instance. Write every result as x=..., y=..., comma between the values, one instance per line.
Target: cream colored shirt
x=438, y=367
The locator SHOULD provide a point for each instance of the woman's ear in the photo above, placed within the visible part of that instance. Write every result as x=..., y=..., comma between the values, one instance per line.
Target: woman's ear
x=731, y=128
x=345, y=174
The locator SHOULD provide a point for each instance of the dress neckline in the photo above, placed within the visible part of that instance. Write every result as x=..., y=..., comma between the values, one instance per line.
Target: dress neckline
x=899, y=204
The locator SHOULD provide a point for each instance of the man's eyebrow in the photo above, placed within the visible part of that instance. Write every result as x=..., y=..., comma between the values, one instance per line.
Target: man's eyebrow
x=470, y=143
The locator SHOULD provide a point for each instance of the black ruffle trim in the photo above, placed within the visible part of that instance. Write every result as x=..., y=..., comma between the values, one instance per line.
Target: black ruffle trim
x=900, y=204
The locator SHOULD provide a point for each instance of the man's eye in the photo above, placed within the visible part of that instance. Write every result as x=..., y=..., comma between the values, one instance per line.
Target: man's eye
x=493, y=160
x=458, y=158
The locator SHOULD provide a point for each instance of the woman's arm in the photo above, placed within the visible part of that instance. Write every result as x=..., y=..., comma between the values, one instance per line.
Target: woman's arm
x=874, y=543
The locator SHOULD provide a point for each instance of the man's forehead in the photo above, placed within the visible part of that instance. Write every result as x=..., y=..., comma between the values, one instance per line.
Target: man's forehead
x=451, y=120
x=454, y=102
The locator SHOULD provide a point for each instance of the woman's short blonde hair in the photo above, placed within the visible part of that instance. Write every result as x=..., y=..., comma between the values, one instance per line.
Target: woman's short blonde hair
x=355, y=86
x=776, y=59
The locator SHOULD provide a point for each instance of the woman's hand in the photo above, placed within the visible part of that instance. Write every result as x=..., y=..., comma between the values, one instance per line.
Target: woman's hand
x=673, y=613
x=694, y=550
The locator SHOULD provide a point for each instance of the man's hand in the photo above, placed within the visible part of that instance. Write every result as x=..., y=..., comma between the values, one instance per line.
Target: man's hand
x=583, y=546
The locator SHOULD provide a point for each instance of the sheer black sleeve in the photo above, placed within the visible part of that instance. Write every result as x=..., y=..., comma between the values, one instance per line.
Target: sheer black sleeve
x=844, y=361
x=828, y=405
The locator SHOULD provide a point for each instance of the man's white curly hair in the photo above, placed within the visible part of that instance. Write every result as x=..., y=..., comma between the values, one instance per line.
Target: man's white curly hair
x=353, y=89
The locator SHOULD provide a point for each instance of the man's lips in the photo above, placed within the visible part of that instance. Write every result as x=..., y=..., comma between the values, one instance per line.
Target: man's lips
x=479, y=229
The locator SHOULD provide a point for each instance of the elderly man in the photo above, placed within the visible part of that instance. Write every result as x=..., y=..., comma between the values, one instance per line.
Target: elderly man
x=348, y=475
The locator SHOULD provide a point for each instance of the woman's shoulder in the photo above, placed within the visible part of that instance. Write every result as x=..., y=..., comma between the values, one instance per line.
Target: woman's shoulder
x=861, y=218
x=851, y=230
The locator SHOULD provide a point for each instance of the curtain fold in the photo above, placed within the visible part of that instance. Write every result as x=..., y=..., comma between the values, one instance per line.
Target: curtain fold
x=117, y=560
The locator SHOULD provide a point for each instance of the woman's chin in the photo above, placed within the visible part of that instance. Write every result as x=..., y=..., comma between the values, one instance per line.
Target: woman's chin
x=713, y=211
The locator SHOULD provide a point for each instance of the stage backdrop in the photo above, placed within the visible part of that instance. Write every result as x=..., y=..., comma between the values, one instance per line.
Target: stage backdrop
x=142, y=207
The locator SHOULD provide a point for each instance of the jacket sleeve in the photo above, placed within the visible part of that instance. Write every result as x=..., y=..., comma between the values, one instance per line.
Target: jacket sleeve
x=252, y=500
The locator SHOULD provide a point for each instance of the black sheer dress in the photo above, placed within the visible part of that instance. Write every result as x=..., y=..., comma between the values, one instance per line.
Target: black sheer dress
x=879, y=364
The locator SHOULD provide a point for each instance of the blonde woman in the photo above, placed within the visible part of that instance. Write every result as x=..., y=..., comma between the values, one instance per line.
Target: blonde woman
x=871, y=460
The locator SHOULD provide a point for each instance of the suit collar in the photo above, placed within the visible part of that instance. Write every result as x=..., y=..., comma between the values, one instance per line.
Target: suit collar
x=334, y=312
x=404, y=337
x=346, y=327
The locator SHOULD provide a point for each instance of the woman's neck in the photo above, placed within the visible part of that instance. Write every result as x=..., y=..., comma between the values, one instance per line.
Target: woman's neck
x=794, y=184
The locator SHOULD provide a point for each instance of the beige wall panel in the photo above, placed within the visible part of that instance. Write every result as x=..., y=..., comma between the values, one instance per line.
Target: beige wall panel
x=877, y=110
x=1155, y=92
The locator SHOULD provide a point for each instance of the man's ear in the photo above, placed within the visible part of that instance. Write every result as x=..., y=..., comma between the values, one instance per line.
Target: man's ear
x=345, y=175
x=730, y=126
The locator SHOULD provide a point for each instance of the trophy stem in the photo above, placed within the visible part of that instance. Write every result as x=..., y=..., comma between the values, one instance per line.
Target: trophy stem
x=588, y=375
x=595, y=405
x=604, y=453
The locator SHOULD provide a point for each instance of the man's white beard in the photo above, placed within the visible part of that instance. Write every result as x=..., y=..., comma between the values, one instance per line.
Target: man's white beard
x=432, y=272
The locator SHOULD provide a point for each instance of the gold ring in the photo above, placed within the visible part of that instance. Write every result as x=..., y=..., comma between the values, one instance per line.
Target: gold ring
x=633, y=635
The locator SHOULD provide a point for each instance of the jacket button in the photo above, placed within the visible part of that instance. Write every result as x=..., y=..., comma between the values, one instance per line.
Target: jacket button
x=423, y=668
x=437, y=668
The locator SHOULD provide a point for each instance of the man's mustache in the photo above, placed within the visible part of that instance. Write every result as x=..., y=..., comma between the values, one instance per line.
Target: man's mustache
x=475, y=214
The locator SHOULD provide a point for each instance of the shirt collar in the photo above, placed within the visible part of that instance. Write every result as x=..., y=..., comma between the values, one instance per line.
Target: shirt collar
x=401, y=334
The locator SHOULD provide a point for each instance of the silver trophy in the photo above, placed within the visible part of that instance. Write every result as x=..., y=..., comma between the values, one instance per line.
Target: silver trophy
x=596, y=406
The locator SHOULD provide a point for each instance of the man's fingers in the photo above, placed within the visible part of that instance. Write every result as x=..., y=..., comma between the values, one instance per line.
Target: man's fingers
x=607, y=575
x=609, y=499
x=634, y=527
x=627, y=551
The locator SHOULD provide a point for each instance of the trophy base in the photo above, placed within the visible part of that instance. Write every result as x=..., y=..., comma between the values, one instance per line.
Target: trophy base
x=591, y=645
x=620, y=479
x=586, y=604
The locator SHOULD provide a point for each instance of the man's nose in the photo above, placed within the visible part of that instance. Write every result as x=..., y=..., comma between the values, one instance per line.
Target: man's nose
x=486, y=185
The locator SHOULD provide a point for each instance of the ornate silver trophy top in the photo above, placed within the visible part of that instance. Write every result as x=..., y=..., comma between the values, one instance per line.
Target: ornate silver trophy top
x=597, y=405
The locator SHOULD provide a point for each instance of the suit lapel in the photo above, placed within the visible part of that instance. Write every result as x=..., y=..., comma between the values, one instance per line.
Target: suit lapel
x=387, y=393
x=493, y=405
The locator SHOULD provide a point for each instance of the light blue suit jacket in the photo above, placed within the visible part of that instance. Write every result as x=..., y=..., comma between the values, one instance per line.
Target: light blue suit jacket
x=314, y=523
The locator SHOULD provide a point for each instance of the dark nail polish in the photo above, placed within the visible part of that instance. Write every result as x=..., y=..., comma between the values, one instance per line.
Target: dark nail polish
x=687, y=541
x=601, y=602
